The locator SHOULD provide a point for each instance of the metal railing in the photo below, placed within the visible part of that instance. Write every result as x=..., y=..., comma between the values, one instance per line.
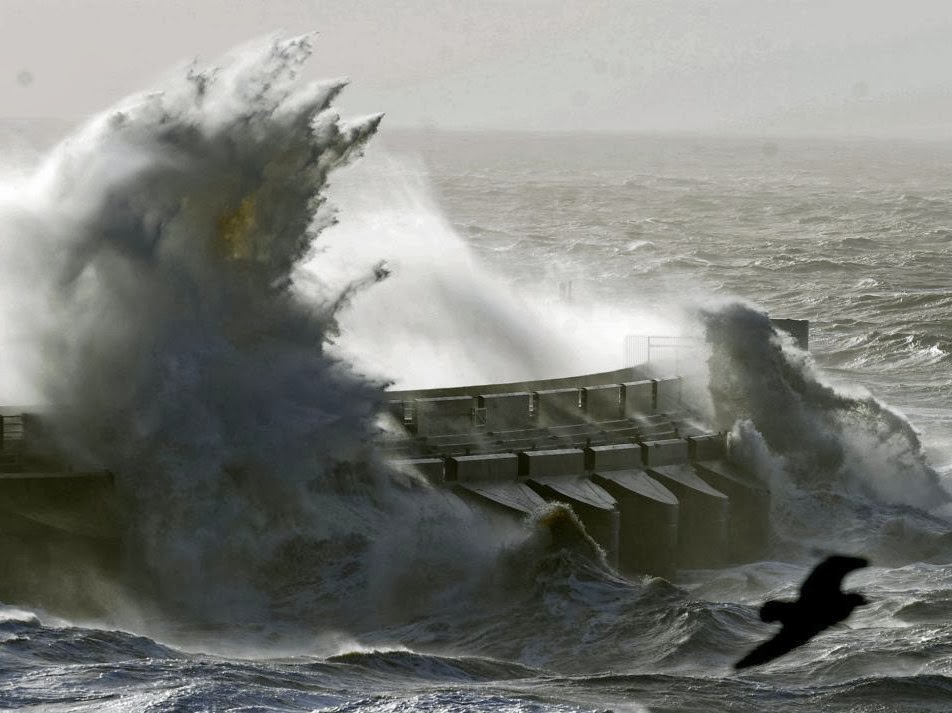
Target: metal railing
x=678, y=354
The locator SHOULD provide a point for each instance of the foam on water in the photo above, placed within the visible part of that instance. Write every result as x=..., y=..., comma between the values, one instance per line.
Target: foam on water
x=179, y=290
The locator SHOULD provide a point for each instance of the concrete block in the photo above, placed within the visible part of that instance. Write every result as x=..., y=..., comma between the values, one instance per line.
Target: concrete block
x=560, y=461
x=749, y=510
x=513, y=498
x=638, y=397
x=666, y=452
x=710, y=446
x=506, y=411
x=483, y=468
x=648, y=532
x=703, y=518
x=431, y=469
x=444, y=415
x=558, y=407
x=668, y=394
x=619, y=456
x=602, y=403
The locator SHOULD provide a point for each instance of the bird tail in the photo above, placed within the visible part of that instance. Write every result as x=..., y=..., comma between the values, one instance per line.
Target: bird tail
x=776, y=611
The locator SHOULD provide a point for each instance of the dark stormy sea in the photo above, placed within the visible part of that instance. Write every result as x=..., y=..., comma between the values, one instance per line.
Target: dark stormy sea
x=215, y=281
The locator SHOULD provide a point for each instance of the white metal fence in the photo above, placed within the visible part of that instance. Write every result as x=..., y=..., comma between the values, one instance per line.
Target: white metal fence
x=679, y=355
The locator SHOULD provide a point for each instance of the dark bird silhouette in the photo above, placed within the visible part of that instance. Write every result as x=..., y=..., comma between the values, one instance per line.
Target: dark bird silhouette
x=821, y=605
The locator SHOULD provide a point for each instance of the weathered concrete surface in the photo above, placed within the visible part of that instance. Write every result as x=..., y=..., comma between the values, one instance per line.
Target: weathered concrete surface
x=703, y=525
x=638, y=397
x=616, y=376
x=558, y=407
x=648, y=532
x=443, y=415
x=559, y=461
x=506, y=411
x=749, y=532
x=483, y=467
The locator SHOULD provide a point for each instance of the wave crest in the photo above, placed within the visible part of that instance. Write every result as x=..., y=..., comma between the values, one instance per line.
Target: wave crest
x=155, y=251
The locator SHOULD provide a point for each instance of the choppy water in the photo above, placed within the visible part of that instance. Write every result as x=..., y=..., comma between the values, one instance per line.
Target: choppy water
x=295, y=587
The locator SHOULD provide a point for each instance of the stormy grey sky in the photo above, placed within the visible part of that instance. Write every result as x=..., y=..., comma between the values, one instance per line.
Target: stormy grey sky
x=841, y=67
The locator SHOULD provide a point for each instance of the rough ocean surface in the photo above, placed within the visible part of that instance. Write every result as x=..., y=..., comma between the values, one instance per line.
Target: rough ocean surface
x=220, y=338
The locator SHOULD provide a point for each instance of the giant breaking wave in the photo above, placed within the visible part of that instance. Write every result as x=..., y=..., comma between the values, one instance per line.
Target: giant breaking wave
x=151, y=267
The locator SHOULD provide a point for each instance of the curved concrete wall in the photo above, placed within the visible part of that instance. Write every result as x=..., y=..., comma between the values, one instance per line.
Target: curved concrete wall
x=615, y=456
x=483, y=467
x=443, y=415
x=665, y=452
x=603, y=402
x=638, y=397
x=548, y=463
x=668, y=394
x=710, y=446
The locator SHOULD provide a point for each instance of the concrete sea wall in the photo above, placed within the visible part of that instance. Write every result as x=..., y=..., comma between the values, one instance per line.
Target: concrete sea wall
x=649, y=483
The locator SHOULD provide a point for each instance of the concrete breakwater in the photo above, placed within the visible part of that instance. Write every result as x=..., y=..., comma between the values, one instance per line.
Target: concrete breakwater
x=648, y=481
x=651, y=484
x=59, y=528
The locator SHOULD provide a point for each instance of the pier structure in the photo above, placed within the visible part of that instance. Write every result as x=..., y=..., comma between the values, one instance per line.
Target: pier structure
x=649, y=482
x=59, y=527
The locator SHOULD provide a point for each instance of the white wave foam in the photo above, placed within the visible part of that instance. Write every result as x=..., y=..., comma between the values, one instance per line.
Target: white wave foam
x=154, y=273
x=441, y=318
x=841, y=465
x=149, y=269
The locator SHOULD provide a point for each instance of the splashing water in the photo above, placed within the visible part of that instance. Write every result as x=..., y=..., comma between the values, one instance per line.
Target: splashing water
x=841, y=466
x=156, y=281
x=171, y=305
x=151, y=278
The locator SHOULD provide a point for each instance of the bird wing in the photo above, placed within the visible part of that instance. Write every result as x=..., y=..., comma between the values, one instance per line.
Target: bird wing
x=777, y=610
x=827, y=577
x=786, y=640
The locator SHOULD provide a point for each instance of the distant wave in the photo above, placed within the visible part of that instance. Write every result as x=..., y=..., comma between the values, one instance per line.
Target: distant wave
x=435, y=668
x=860, y=243
x=636, y=245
